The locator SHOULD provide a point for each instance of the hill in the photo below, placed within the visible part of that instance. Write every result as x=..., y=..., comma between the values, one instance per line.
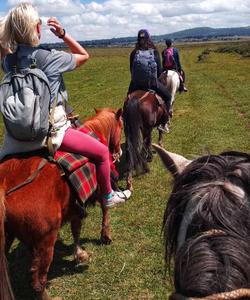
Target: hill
x=194, y=34
x=208, y=33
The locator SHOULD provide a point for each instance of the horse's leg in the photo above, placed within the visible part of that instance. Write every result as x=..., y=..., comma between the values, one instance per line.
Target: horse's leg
x=80, y=255
x=129, y=169
x=171, y=112
x=42, y=255
x=106, y=231
x=160, y=138
x=9, y=239
x=129, y=185
x=147, y=145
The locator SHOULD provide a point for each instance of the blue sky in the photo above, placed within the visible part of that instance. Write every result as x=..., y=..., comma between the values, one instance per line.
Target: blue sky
x=87, y=20
x=2, y=5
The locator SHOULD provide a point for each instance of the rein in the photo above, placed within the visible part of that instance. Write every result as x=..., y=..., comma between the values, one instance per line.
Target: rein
x=233, y=295
x=104, y=140
x=43, y=162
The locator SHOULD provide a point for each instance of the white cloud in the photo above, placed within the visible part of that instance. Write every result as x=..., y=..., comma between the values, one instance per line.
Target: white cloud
x=117, y=18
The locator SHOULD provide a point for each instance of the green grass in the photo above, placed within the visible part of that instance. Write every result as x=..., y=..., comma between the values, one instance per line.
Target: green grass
x=213, y=116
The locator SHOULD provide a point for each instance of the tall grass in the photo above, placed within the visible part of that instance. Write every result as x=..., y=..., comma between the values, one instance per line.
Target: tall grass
x=213, y=116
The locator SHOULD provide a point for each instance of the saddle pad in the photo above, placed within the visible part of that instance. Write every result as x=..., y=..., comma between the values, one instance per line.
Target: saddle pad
x=79, y=170
x=72, y=161
x=84, y=181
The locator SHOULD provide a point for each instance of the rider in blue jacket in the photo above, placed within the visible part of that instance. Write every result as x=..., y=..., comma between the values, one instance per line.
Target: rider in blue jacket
x=176, y=65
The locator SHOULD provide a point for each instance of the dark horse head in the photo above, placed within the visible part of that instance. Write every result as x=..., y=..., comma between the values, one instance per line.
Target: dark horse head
x=141, y=113
x=207, y=226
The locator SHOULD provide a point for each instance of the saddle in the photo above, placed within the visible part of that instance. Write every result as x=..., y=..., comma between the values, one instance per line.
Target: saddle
x=142, y=95
x=79, y=170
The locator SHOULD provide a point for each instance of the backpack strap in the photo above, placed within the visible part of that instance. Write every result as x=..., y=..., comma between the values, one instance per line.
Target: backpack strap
x=52, y=123
x=12, y=62
x=38, y=57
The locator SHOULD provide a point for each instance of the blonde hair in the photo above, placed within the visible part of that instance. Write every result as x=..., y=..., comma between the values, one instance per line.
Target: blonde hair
x=19, y=26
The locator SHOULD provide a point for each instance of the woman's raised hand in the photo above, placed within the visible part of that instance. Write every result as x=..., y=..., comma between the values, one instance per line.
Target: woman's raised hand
x=57, y=28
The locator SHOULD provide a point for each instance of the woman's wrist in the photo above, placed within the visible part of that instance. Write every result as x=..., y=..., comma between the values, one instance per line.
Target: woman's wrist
x=62, y=33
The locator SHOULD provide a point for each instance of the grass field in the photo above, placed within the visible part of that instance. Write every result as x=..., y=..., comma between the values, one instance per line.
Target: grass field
x=213, y=116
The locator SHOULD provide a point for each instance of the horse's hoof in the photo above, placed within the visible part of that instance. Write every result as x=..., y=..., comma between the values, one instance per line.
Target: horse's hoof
x=149, y=158
x=83, y=257
x=129, y=187
x=105, y=240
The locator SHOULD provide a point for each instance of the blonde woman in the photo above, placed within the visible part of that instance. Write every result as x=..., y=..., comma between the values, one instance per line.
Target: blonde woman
x=21, y=34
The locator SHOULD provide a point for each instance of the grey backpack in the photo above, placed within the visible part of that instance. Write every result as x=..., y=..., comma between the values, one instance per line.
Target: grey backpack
x=25, y=101
x=144, y=67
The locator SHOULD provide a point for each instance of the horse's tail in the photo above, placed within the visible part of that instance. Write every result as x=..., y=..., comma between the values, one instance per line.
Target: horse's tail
x=134, y=143
x=5, y=286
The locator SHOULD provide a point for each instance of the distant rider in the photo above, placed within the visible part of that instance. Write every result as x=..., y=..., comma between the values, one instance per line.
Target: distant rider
x=145, y=68
x=171, y=61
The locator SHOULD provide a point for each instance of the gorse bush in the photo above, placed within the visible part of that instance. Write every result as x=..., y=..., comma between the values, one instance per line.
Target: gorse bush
x=240, y=48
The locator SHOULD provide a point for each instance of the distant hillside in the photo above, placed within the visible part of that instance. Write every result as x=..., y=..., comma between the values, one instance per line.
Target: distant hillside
x=207, y=32
x=194, y=34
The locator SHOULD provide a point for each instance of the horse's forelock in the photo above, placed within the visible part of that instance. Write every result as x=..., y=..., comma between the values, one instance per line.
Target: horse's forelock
x=211, y=198
x=212, y=263
x=211, y=188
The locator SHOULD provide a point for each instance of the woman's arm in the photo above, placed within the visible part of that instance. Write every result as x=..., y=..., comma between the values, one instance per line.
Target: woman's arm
x=131, y=60
x=177, y=60
x=81, y=55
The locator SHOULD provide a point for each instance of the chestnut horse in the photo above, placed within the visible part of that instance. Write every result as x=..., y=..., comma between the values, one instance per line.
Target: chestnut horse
x=142, y=112
x=34, y=214
x=207, y=226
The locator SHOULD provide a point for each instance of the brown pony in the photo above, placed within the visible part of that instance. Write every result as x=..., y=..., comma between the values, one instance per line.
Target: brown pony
x=34, y=214
x=142, y=112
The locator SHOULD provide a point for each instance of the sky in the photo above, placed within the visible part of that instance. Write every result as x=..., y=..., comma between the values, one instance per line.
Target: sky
x=101, y=19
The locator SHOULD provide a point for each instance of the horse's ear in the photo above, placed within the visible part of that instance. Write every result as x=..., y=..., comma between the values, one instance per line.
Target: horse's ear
x=118, y=113
x=175, y=163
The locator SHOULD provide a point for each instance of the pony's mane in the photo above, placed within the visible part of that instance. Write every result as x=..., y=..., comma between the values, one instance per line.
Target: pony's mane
x=103, y=121
x=212, y=193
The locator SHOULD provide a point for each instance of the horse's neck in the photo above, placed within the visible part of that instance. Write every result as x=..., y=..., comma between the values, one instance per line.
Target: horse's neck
x=99, y=129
